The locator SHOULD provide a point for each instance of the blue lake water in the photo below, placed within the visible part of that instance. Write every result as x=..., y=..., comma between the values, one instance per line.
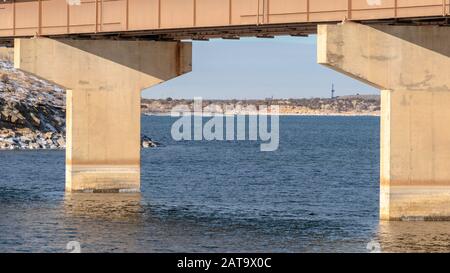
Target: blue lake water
x=317, y=193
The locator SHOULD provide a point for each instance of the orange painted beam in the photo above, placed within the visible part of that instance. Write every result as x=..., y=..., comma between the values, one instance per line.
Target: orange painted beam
x=58, y=17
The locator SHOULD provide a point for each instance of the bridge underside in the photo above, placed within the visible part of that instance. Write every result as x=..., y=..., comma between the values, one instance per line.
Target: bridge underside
x=202, y=19
x=231, y=32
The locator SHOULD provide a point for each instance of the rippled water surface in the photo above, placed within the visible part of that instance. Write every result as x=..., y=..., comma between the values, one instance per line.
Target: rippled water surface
x=317, y=193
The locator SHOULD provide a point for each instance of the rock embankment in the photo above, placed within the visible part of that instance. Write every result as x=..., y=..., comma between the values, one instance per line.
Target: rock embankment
x=32, y=111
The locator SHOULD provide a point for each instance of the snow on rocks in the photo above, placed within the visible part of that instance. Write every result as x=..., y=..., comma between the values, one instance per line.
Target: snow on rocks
x=32, y=111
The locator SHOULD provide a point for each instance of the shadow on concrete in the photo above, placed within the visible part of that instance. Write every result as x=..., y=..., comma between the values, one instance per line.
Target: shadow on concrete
x=434, y=38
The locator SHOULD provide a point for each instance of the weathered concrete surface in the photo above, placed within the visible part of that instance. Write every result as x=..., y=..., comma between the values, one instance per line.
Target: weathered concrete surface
x=412, y=66
x=104, y=79
x=6, y=54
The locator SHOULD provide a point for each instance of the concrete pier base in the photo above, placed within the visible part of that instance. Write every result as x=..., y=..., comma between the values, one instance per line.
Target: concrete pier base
x=415, y=155
x=104, y=79
x=411, y=65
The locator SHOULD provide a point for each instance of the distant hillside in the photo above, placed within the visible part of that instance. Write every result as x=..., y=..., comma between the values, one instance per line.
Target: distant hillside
x=347, y=105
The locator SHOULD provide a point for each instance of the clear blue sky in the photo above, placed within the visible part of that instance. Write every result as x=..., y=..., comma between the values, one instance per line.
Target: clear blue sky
x=284, y=67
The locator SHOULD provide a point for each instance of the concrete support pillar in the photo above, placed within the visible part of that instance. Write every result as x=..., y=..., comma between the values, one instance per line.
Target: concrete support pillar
x=411, y=65
x=104, y=79
x=6, y=54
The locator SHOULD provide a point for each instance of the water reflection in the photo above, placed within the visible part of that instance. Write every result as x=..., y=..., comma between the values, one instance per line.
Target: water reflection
x=120, y=207
x=414, y=236
x=103, y=222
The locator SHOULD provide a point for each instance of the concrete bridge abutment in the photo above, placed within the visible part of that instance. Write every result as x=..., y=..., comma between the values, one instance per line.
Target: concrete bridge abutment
x=411, y=65
x=104, y=80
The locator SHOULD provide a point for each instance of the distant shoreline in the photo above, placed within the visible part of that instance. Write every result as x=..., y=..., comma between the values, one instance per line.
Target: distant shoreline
x=358, y=105
x=281, y=115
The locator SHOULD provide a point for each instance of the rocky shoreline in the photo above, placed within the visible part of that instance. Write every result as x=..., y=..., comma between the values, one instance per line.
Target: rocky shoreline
x=32, y=111
x=25, y=139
